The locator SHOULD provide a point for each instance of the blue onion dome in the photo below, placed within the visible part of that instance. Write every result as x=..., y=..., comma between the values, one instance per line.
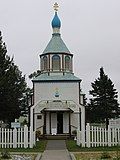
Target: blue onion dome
x=56, y=21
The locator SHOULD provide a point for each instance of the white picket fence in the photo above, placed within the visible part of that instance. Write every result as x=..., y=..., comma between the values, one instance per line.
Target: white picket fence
x=17, y=138
x=96, y=136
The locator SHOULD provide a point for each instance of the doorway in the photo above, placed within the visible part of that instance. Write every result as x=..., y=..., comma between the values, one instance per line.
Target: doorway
x=59, y=123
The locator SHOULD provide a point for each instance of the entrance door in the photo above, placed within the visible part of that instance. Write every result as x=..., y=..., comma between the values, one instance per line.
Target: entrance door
x=60, y=123
x=53, y=123
x=66, y=122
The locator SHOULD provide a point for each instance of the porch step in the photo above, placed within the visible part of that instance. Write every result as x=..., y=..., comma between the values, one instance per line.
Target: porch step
x=57, y=137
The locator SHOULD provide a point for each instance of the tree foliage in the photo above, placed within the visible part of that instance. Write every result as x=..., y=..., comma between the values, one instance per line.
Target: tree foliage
x=26, y=101
x=12, y=86
x=103, y=104
x=35, y=74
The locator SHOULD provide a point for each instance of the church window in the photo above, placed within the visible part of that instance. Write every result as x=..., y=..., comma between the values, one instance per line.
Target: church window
x=67, y=63
x=42, y=67
x=45, y=62
x=56, y=62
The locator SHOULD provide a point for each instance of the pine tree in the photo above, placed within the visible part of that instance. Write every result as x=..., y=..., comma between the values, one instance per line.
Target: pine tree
x=12, y=86
x=26, y=102
x=35, y=74
x=104, y=104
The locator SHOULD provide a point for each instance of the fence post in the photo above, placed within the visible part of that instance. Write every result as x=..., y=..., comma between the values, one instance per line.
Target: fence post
x=109, y=136
x=83, y=126
x=88, y=135
x=14, y=138
x=5, y=138
x=25, y=136
x=0, y=137
x=31, y=137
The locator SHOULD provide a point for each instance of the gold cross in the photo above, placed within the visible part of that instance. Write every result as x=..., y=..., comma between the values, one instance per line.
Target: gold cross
x=56, y=6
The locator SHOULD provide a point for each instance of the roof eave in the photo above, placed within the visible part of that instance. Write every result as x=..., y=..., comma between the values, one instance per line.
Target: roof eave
x=45, y=81
x=48, y=53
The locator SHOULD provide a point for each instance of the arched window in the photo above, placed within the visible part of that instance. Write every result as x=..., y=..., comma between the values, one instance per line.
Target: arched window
x=45, y=63
x=42, y=66
x=67, y=63
x=56, y=62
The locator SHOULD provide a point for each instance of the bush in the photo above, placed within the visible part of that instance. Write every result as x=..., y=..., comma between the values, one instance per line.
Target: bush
x=105, y=155
x=38, y=134
x=74, y=132
x=5, y=155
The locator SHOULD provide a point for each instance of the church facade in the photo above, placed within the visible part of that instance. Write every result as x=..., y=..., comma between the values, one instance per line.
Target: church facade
x=58, y=103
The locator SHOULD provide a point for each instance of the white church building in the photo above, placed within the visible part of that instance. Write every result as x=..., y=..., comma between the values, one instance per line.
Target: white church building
x=57, y=100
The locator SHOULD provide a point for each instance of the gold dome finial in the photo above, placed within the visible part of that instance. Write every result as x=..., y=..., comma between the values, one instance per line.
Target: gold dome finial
x=56, y=6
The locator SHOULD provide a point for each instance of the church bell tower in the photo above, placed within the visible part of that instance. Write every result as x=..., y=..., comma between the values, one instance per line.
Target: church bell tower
x=56, y=58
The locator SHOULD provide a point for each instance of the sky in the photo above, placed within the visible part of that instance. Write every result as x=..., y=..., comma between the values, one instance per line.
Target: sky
x=90, y=29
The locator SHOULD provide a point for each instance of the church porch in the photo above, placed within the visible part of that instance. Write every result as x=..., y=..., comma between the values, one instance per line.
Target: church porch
x=57, y=122
x=57, y=117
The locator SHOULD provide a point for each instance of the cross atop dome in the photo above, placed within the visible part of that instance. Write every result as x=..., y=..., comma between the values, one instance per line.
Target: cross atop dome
x=56, y=44
x=56, y=6
x=56, y=23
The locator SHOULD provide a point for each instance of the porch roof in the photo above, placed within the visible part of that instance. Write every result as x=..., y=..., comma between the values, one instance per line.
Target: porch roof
x=57, y=109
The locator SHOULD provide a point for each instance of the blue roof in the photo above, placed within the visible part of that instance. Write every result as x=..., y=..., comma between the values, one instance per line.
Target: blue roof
x=45, y=77
x=56, y=21
x=56, y=45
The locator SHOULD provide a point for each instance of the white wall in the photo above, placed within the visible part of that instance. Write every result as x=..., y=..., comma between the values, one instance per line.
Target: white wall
x=74, y=121
x=67, y=91
x=39, y=122
x=46, y=91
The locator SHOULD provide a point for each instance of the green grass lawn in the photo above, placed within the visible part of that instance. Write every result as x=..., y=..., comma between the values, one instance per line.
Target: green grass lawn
x=96, y=156
x=40, y=147
x=93, y=152
x=72, y=147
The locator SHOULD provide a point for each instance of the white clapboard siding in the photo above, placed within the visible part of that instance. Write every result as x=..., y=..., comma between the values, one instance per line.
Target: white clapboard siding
x=17, y=138
x=97, y=136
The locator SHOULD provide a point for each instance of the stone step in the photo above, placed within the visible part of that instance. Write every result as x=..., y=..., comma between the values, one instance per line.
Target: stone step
x=57, y=137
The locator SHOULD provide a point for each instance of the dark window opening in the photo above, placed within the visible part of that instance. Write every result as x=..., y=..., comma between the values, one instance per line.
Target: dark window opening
x=39, y=116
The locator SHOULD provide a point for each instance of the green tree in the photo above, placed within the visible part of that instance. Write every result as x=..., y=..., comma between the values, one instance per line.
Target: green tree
x=12, y=86
x=35, y=74
x=26, y=102
x=104, y=104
